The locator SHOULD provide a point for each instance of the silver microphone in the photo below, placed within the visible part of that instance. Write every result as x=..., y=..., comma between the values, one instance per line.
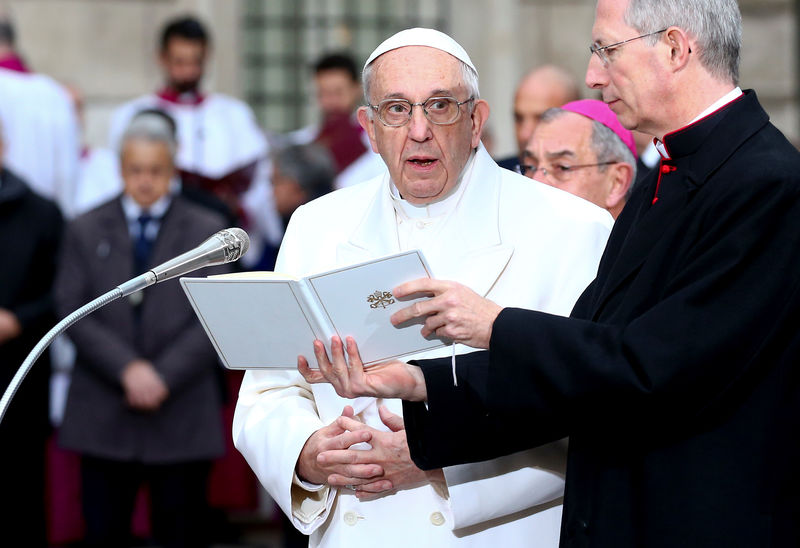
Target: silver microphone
x=223, y=247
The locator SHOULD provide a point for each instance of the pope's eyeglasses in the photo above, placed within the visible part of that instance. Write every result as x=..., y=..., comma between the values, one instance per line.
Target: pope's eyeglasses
x=441, y=111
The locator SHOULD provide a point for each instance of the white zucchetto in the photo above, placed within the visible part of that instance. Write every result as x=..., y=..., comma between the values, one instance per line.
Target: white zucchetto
x=422, y=37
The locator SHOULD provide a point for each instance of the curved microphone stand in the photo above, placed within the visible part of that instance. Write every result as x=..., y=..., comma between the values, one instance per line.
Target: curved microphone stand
x=223, y=247
x=60, y=327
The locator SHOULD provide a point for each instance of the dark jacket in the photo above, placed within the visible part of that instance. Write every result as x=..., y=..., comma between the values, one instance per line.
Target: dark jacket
x=677, y=375
x=30, y=229
x=97, y=256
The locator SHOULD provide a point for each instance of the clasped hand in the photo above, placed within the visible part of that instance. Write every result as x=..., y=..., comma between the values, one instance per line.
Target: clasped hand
x=386, y=465
x=144, y=388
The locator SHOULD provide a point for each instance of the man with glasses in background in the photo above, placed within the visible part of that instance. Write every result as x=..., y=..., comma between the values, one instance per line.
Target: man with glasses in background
x=676, y=376
x=583, y=149
x=512, y=240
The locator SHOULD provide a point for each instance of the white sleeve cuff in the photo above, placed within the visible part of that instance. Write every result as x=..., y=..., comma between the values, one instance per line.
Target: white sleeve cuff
x=310, y=509
x=306, y=486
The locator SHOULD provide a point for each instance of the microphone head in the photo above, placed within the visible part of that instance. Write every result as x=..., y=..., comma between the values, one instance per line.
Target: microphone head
x=236, y=242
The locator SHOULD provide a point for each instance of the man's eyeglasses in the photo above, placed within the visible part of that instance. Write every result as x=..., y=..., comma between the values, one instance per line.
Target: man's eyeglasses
x=560, y=172
x=439, y=110
x=602, y=51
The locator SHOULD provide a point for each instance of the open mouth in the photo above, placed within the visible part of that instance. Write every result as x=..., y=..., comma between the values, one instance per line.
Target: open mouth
x=422, y=162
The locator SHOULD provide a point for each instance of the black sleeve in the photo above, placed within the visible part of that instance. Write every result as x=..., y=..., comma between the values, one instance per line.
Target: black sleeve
x=721, y=318
x=454, y=425
x=724, y=315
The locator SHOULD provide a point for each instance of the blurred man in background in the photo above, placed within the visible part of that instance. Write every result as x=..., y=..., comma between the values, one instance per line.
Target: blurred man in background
x=144, y=402
x=582, y=148
x=544, y=87
x=337, y=88
x=9, y=56
x=300, y=173
x=30, y=228
x=220, y=147
x=338, y=92
x=40, y=125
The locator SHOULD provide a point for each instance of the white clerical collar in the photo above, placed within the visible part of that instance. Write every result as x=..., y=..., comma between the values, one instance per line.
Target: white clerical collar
x=133, y=210
x=732, y=95
x=735, y=93
x=434, y=209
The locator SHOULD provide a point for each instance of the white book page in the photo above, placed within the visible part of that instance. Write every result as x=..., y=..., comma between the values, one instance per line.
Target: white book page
x=358, y=302
x=254, y=323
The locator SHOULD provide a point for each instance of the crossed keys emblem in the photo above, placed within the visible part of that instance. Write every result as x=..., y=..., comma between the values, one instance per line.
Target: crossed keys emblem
x=380, y=298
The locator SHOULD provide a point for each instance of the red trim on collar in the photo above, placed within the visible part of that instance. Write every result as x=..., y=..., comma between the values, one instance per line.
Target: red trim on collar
x=188, y=98
x=15, y=63
x=664, y=139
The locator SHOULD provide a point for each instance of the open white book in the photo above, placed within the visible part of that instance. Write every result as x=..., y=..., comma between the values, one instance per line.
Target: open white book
x=259, y=320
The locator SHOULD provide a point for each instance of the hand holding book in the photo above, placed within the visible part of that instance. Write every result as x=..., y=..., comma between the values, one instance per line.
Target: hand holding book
x=393, y=379
x=455, y=312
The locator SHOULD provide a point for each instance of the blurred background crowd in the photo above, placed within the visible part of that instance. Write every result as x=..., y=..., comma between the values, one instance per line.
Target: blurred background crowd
x=125, y=120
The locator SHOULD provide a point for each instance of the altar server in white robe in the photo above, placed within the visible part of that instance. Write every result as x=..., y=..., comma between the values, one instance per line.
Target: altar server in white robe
x=42, y=133
x=513, y=240
x=221, y=149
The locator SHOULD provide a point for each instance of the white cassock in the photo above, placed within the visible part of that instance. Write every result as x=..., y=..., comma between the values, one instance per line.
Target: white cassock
x=216, y=137
x=513, y=240
x=41, y=134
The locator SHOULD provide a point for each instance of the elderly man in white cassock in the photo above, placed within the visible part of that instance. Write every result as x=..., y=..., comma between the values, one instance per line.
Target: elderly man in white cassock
x=340, y=469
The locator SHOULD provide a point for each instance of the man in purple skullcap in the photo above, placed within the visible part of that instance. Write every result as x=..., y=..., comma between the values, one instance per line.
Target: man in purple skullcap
x=582, y=148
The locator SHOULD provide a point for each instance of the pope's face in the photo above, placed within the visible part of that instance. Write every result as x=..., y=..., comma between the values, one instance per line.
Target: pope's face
x=424, y=159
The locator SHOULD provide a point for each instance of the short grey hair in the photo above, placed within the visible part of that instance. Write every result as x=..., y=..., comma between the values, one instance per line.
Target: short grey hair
x=150, y=127
x=311, y=166
x=469, y=78
x=610, y=148
x=606, y=144
x=715, y=24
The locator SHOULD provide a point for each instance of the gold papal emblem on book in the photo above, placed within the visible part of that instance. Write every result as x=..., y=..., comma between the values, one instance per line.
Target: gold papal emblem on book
x=380, y=298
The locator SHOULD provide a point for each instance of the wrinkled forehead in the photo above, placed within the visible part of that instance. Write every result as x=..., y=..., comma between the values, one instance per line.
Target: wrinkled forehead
x=422, y=69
